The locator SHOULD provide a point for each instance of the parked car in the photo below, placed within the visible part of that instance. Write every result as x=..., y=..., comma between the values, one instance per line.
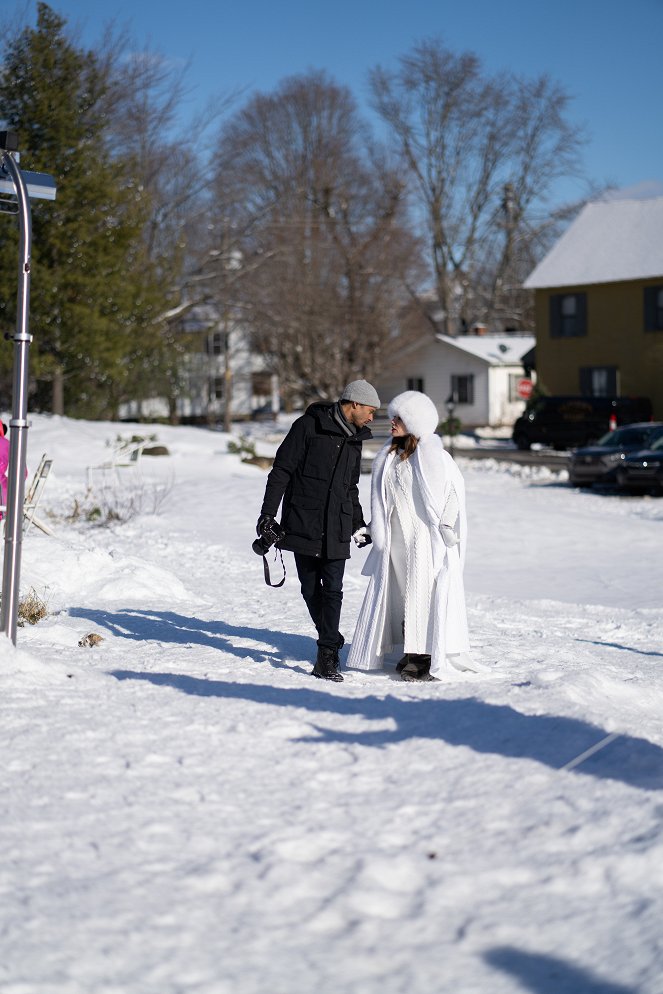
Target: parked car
x=643, y=470
x=600, y=463
x=565, y=422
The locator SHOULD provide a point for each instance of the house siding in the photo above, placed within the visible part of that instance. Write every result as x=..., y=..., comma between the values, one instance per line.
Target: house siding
x=422, y=363
x=435, y=363
x=615, y=337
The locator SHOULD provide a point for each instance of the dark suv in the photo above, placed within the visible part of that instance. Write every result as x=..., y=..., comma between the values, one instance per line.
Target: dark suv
x=565, y=422
x=601, y=463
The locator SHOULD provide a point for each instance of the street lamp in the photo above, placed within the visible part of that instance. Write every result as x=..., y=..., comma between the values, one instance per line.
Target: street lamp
x=450, y=404
x=22, y=186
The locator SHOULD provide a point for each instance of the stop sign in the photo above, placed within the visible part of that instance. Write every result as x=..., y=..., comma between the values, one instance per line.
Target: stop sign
x=524, y=389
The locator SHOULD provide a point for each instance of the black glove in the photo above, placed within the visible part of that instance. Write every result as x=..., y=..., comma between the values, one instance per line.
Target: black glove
x=362, y=537
x=265, y=523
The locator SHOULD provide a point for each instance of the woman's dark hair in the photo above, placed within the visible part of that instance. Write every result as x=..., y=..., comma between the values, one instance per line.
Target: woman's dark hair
x=406, y=443
x=4, y=427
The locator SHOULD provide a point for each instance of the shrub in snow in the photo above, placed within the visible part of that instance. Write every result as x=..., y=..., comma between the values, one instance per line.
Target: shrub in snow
x=117, y=504
x=31, y=609
x=246, y=450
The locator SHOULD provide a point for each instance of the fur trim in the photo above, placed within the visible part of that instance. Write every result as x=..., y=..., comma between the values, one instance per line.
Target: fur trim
x=417, y=412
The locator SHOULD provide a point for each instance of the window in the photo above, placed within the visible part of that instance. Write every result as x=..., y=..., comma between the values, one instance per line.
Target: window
x=216, y=388
x=261, y=383
x=216, y=342
x=261, y=388
x=462, y=388
x=599, y=381
x=568, y=315
x=653, y=308
x=415, y=383
x=514, y=380
x=631, y=438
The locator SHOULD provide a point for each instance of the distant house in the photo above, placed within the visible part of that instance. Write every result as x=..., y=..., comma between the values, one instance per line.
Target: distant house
x=599, y=304
x=216, y=352
x=220, y=354
x=480, y=371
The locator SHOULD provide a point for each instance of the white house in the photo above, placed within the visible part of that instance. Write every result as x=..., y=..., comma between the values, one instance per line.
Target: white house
x=218, y=360
x=224, y=362
x=481, y=372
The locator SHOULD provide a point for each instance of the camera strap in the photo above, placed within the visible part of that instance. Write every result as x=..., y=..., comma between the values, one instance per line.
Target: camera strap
x=265, y=566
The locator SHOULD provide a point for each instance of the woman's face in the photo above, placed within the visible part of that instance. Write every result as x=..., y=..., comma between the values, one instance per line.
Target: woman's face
x=398, y=429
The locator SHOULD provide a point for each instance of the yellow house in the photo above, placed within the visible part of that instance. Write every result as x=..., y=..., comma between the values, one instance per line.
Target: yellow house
x=599, y=304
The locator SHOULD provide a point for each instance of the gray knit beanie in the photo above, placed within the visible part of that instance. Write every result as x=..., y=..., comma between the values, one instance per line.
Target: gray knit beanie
x=362, y=393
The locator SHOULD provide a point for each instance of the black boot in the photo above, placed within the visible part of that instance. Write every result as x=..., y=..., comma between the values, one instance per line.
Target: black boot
x=402, y=663
x=326, y=665
x=417, y=669
x=339, y=644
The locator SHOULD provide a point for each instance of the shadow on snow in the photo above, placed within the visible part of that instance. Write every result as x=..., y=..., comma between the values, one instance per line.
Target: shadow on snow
x=167, y=626
x=550, y=975
x=486, y=728
x=483, y=727
x=618, y=645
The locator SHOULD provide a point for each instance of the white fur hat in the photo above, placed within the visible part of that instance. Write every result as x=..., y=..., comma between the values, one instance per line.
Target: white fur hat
x=417, y=412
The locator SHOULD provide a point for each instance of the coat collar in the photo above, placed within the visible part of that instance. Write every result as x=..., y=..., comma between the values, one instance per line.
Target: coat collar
x=323, y=414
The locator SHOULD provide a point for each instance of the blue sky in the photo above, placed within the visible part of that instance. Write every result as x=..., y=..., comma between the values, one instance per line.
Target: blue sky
x=607, y=55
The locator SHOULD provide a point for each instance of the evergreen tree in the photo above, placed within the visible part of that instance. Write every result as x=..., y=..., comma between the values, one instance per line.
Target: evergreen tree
x=94, y=290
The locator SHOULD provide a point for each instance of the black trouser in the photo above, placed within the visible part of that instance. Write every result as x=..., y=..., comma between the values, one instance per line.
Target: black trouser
x=322, y=590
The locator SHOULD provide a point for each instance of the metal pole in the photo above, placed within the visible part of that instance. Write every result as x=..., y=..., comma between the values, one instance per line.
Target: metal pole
x=18, y=441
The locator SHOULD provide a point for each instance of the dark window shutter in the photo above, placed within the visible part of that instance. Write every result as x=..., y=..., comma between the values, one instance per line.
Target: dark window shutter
x=470, y=389
x=652, y=322
x=581, y=314
x=555, y=304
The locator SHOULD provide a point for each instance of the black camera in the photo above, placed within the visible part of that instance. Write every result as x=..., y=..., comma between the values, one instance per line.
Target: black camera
x=270, y=535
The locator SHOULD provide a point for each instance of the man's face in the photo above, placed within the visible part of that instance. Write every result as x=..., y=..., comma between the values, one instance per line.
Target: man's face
x=361, y=414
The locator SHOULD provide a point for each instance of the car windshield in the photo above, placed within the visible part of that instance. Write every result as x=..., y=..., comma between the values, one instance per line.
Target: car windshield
x=627, y=437
x=658, y=444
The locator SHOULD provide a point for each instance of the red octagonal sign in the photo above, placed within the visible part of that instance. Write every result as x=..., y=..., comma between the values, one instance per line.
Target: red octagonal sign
x=525, y=388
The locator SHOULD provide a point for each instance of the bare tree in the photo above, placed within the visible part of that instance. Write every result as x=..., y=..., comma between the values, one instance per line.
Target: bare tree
x=545, y=147
x=170, y=169
x=170, y=161
x=482, y=151
x=323, y=233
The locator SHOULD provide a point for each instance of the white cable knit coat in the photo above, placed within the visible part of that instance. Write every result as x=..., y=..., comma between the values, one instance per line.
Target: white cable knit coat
x=434, y=474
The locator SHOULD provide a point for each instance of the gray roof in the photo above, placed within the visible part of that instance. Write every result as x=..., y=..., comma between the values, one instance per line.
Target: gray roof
x=608, y=242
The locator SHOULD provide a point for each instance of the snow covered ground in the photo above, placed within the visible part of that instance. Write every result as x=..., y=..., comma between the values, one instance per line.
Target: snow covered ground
x=184, y=810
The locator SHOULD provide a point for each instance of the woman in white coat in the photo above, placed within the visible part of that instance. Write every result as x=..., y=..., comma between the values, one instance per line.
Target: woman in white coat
x=415, y=603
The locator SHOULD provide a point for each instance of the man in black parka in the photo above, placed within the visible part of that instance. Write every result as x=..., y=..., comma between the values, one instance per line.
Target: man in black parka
x=316, y=472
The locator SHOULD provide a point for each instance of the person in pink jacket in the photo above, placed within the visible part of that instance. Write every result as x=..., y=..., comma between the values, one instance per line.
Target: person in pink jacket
x=4, y=462
x=4, y=465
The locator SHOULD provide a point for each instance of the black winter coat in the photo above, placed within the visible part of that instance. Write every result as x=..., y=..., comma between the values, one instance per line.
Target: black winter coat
x=316, y=472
